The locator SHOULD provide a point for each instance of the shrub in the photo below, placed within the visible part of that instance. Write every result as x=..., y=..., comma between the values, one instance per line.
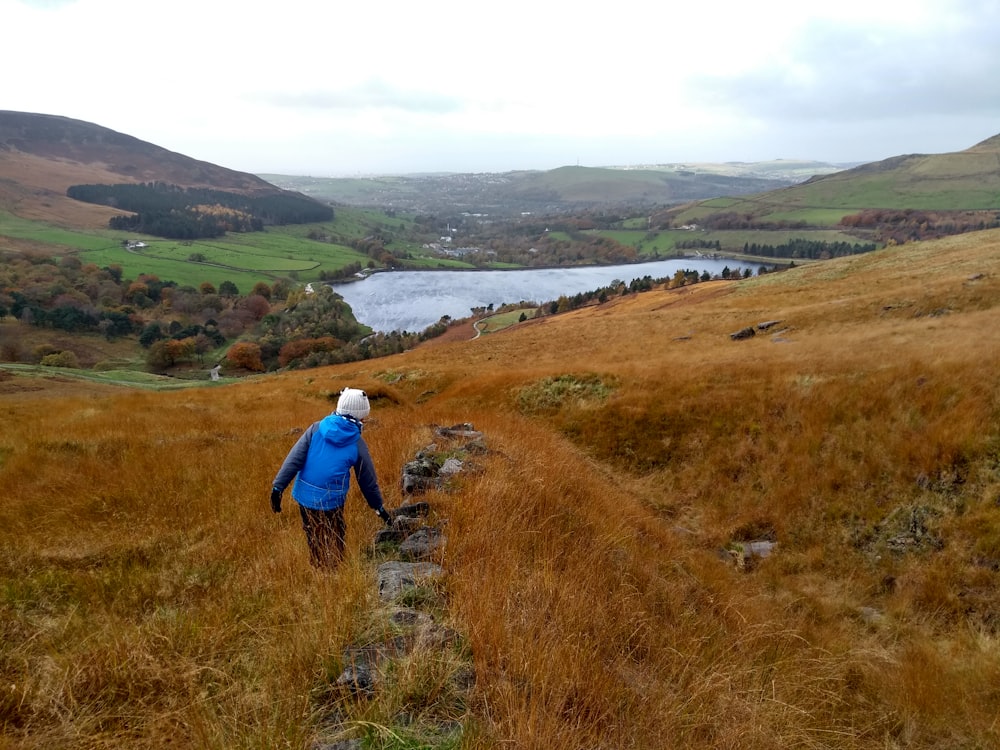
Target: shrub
x=60, y=359
x=549, y=394
x=43, y=350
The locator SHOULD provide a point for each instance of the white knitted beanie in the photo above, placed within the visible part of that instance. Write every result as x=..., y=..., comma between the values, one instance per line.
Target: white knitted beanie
x=353, y=402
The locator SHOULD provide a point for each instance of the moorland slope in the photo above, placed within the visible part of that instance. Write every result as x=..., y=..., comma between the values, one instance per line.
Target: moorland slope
x=597, y=556
x=42, y=155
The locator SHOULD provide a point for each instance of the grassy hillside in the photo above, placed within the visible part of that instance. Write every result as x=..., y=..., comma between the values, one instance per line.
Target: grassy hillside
x=148, y=596
x=42, y=155
x=963, y=181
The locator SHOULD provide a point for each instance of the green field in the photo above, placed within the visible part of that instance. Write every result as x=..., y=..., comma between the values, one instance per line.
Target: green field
x=244, y=259
x=429, y=263
x=48, y=234
x=500, y=321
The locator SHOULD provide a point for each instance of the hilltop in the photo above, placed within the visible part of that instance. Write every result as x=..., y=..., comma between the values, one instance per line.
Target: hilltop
x=43, y=155
x=561, y=190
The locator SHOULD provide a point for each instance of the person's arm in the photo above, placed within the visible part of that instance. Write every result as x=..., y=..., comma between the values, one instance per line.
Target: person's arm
x=364, y=470
x=294, y=461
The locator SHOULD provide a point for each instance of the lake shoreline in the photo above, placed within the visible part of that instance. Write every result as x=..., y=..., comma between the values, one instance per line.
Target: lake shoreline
x=737, y=257
x=411, y=300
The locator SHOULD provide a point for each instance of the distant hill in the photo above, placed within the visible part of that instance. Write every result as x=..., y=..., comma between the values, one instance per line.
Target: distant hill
x=569, y=188
x=42, y=155
x=966, y=180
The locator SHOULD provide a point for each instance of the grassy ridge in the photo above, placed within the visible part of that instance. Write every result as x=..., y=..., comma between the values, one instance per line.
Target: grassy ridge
x=147, y=593
x=962, y=181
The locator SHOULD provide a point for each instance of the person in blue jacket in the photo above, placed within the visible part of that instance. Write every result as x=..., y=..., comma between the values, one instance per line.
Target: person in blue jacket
x=321, y=462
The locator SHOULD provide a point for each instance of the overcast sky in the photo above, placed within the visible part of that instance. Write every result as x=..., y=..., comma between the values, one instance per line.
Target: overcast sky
x=344, y=88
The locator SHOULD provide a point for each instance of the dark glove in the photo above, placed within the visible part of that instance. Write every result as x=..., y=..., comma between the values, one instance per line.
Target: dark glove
x=276, y=500
x=384, y=515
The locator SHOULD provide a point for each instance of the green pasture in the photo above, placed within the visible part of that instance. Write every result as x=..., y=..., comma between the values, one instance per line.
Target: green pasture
x=243, y=259
x=182, y=272
x=720, y=204
x=498, y=322
x=636, y=222
x=428, y=263
x=63, y=239
x=355, y=223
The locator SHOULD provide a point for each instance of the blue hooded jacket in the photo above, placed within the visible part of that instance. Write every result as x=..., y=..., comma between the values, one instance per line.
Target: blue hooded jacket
x=323, y=458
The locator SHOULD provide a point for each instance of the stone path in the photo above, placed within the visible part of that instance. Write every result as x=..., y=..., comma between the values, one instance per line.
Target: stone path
x=408, y=584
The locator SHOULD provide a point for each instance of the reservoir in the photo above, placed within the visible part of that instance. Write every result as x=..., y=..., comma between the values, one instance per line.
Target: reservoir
x=413, y=300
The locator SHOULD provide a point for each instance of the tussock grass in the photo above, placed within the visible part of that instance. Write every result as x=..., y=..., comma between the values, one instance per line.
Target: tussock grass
x=147, y=593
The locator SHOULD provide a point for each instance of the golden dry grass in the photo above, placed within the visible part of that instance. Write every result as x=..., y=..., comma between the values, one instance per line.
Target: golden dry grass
x=34, y=187
x=147, y=594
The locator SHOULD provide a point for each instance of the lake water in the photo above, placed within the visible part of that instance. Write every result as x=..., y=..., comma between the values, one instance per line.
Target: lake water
x=414, y=300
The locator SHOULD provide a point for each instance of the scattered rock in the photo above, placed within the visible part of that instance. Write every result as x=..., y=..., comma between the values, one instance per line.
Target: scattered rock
x=410, y=618
x=341, y=745
x=450, y=467
x=392, y=535
x=395, y=576
x=743, y=333
x=767, y=324
x=412, y=510
x=746, y=555
x=358, y=676
x=476, y=445
x=422, y=544
x=871, y=615
x=906, y=529
x=465, y=430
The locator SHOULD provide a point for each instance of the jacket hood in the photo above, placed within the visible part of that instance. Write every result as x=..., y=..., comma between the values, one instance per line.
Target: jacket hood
x=338, y=430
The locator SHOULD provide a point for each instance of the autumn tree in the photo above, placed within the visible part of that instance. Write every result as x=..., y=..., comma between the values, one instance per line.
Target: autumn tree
x=257, y=305
x=169, y=352
x=300, y=348
x=246, y=355
x=280, y=289
x=261, y=289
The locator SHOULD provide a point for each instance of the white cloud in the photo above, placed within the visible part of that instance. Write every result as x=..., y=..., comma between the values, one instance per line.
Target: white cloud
x=398, y=86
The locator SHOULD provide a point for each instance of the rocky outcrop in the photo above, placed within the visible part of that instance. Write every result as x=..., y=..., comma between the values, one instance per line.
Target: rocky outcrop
x=432, y=467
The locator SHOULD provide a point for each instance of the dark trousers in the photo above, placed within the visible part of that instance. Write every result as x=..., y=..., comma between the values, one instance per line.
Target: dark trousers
x=325, y=531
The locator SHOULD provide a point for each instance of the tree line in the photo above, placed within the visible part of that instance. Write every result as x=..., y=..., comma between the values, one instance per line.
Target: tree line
x=912, y=224
x=165, y=210
x=808, y=249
